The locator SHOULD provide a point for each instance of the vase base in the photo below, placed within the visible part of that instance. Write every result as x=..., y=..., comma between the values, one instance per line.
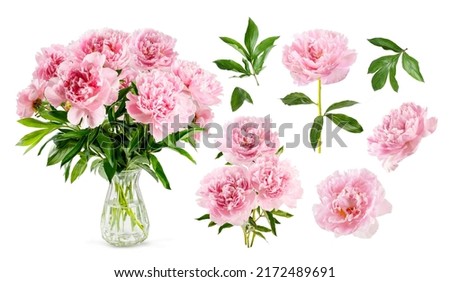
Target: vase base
x=124, y=240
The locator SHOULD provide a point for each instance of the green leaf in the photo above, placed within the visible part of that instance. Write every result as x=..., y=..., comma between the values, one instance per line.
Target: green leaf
x=386, y=44
x=224, y=226
x=251, y=36
x=110, y=170
x=31, y=122
x=345, y=122
x=230, y=65
x=379, y=78
x=296, y=99
x=56, y=155
x=238, y=97
x=264, y=45
x=259, y=234
x=262, y=228
x=148, y=170
x=316, y=132
x=280, y=151
x=203, y=217
x=107, y=146
x=411, y=66
x=236, y=45
x=220, y=154
x=211, y=224
x=282, y=213
x=74, y=151
x=382, y=62
x=33, y=138
x=392, y=72
x=58, y=116
x=67, y=170
x=78, y=169
x=96, y=164
x=183, y=153
x=272, y=222
x=259, y=61
x=339, y=105
x=159, y=171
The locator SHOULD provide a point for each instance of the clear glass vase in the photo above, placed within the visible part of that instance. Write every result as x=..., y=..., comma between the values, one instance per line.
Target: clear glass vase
x=124, y=218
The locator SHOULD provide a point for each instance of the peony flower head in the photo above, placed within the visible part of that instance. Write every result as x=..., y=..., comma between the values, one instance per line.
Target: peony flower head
x=228, y=195
x=247, y=138
x=186, y=71
x=48, y=61
x=400, y=134
x=350, y=203
x=29, y=99
x=205, y=88
x=275, y=182
x=318, y=54
x=152, y=49
x=113, y=44
x=160, y=103
x=87, y=86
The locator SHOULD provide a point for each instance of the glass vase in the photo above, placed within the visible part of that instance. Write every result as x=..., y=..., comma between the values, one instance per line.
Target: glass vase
x=124, y=218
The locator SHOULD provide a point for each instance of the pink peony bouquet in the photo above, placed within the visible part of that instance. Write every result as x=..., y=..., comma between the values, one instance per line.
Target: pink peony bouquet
x=253, y=185
x=117, y=98
x=400, y=134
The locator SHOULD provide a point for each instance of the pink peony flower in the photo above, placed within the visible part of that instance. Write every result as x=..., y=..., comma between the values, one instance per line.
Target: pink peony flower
x=160, y=103
x=400, y=134
x=127, y=75
x=29, y=99
x=318, y=54
x=111, y=43
x=48, y=62
x=152, y=49
x=247, y=138
x=350, y=203
x=87, y=86
x=205, y=88
x=203, y=116
x=186, y=71
x=228, y=195
x=275, y=182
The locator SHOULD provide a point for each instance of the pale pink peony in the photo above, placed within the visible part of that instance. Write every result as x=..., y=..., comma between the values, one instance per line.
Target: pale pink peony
x=160, y=103
x=318, y=54
x=152, y=49
x=29, y=99
x=205, y=88
x=48, y=61
x=87, y=86
x=186, y=71
x=400, y=134
x=350, y=203
x=203, y=116
x=111, y=43
x=275, y=182
x=228, y=195
x=247, y=138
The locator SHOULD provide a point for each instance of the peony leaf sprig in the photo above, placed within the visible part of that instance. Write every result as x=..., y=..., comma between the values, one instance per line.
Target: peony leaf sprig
x=321, y=56
x=253, y=58
x=387, y=65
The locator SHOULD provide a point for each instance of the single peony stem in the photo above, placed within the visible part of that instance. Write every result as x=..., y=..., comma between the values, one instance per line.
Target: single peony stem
x=257, y=82
x=319, y=107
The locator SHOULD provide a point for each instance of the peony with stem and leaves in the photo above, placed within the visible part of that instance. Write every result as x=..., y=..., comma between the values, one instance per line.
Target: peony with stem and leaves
x=114, y=100
x=320, y=56
x=254, y=184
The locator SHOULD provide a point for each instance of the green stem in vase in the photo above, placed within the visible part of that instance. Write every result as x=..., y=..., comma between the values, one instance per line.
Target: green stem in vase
x=125, y=207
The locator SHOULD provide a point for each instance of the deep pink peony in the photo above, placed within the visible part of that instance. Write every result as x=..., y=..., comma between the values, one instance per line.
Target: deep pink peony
x=29, y=98
x=247, y=138
x=152, y=49
x=318, y=54
x=87, y=86
x=160, y=103
x=400, y=134
x=48, y=61
x=228, y=195
x=275, y=182
x=350, y=203
x=111, y=43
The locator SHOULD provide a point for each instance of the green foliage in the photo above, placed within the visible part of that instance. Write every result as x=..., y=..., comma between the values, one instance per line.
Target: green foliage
x=386, y=66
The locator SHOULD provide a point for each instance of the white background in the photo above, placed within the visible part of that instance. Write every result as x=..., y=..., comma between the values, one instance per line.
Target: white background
x=49, y=230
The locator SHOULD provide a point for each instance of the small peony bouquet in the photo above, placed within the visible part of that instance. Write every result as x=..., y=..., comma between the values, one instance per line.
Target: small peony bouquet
x=114, y=100
x=253, y=184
